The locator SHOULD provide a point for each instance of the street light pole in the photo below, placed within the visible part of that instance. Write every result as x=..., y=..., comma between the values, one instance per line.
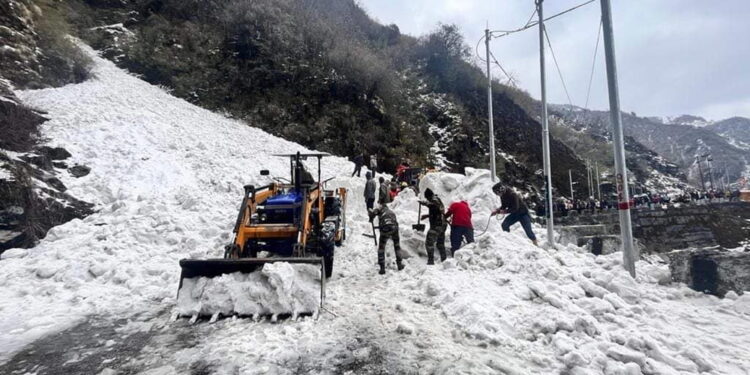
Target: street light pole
x=545, y=129
x=489, y=106
x=623, y=195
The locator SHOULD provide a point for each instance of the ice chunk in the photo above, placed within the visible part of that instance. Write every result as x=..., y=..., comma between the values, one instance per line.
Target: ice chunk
x=14, y=253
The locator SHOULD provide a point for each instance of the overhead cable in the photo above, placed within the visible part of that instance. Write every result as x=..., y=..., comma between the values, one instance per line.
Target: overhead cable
x=559, y=72
x=593, y=65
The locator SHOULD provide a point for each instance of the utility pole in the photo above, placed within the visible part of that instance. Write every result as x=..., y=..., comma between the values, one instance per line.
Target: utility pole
x=709, y=159
x=726, y=176
x=700, y=170
x=623, y=195
x=570, y=177
x=489, y=106
x=545, y=128
x=589, y=178
x=598, y=185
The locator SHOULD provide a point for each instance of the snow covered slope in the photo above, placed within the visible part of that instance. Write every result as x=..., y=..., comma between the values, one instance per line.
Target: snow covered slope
x=167, y=177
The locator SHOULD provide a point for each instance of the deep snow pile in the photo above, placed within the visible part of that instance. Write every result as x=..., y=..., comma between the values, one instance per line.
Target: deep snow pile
x=279, y=288
x=167, y=179
x=168, y=176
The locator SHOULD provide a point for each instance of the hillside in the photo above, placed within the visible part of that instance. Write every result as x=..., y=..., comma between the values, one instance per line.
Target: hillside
x=735, y=130
x=165, y=182
x=593, y=141
x=323, y=74
x=34, y=53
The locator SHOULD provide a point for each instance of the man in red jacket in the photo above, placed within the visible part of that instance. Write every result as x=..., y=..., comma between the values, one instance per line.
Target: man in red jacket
x=461, y=227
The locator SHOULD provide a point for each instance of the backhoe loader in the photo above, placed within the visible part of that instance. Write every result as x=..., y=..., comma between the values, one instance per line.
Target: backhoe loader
x=296, y=221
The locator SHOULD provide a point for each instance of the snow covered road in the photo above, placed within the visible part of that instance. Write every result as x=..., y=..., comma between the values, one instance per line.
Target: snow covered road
x=167, y=177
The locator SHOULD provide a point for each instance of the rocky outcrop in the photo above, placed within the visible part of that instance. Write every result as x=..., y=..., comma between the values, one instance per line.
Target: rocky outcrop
x=19, y=55
x=33, y=199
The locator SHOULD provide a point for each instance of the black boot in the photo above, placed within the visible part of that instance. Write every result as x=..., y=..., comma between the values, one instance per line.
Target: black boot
x=400, y=266
x=430, y=261
x=382, y=269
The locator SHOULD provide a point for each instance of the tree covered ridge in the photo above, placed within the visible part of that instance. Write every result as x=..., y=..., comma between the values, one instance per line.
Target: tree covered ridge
x=324, y=74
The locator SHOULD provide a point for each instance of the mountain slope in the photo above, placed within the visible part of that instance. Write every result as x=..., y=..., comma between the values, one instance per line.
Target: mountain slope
x=323, y=74
x=166, y=181
x=679, y=144
x=736, y=130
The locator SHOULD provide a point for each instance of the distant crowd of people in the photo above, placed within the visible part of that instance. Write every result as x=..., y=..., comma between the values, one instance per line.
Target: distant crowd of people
x=562, y=206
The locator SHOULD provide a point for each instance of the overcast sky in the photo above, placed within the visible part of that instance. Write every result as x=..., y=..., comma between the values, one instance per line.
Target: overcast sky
x=674, y=56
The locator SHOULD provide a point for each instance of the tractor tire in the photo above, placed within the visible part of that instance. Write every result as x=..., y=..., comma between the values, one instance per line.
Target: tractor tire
x=343, y=238
x=250, y=250
x=328, y=260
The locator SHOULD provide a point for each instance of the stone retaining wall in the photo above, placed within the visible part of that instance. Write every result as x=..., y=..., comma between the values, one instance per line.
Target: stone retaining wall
x=662, y=230
x=712, y=271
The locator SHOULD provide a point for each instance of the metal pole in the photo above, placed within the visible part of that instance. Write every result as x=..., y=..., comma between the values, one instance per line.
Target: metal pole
x=588, y=179
x=545, y=126
x=489, y=106
x=623, y=195
x=700, y=170
x=726, y=177
x=710, y=175
x=598, y=184
x=570, y=177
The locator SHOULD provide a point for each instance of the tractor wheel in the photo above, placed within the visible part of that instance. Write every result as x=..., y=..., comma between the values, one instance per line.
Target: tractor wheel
x=328, y=259
x=343, y=238
x=250, y=250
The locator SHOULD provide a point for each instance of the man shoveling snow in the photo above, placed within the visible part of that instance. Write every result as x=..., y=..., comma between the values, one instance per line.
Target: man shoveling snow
x=516, y=209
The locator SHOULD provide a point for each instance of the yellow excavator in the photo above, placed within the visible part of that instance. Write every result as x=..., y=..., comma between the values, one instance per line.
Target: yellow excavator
x=295, y=221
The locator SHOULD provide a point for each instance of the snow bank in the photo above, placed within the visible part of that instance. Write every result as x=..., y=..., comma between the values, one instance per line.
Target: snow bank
x=279, y=288
x=167, y=179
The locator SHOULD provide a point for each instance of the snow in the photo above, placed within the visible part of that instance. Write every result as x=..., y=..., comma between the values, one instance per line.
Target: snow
x=167, y=177
x=277, y=289
x=5, y=174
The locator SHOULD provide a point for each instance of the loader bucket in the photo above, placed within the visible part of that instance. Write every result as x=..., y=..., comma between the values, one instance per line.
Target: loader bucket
x=243, y=287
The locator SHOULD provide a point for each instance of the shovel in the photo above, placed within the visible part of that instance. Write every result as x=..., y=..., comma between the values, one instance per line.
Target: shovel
x=419, y=226
x=375, y=238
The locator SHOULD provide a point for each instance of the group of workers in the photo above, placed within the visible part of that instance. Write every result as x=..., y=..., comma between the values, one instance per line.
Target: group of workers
x=458, y=216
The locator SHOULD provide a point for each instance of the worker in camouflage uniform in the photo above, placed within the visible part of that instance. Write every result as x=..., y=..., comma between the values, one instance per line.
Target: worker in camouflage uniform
x=383, y=196
x=436, y=234
x=388, y=226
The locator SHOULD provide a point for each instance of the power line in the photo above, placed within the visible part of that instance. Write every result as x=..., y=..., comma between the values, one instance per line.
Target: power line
x=529, y=24
x=512, y=81
x=531, y=17
x=559, y=72
x=532, y=24
x=593, y=64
